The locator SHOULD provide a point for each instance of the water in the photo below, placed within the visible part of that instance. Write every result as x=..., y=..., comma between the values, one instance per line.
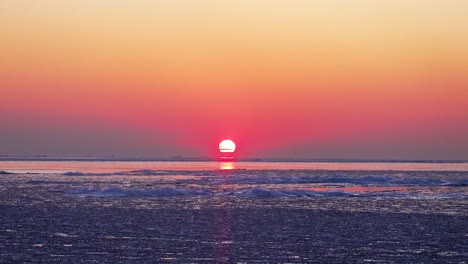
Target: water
x=72, y=211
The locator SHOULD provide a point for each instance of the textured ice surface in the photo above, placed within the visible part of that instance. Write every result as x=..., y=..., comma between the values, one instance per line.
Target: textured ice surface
x=279, y=183
x=160, y=192
x=257, y=191
x=284, y=183
x=238, y=216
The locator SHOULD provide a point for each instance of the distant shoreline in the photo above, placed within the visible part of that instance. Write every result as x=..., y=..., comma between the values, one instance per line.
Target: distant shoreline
x=205, y=159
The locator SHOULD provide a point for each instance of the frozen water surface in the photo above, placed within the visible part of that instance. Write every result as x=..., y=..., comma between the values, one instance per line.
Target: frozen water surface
x=203, y=212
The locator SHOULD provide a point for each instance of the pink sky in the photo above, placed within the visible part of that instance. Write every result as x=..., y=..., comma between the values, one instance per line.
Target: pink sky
x=302, y=79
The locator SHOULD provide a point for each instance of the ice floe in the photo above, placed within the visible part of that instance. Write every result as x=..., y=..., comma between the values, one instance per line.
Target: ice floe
x=120, y=192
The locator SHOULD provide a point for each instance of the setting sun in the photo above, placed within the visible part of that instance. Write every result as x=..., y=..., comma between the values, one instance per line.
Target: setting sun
x=227, y=146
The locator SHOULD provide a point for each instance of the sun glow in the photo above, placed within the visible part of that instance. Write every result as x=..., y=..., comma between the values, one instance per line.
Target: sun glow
x=227, y=146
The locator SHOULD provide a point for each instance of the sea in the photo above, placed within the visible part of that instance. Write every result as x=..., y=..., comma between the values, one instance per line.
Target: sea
x=85, y=211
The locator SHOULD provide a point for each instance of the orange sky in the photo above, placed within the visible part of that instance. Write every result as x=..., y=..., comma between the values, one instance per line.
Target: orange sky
x=293, y=79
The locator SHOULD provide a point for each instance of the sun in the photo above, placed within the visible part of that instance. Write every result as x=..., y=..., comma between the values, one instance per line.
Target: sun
x=227, y=146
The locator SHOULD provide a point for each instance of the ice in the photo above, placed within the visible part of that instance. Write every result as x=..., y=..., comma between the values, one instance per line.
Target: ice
x=145, y=172
x=344, y=180
x=257, y=191
x=463, y=182
x=119, y=192
x=273, y=183
x=138, y=214
x=252, y=192
x=75, y=173
x=262, y=192
x=58, y=234
x=142, y=213
x=259, y=177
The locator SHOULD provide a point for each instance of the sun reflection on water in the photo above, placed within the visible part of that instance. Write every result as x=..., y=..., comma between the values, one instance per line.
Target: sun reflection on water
x=226, y=166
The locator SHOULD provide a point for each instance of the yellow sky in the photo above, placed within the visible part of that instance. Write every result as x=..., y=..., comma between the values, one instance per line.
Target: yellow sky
x=232, y=41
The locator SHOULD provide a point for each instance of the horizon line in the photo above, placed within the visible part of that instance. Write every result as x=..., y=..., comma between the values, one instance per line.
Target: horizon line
x=216, y=159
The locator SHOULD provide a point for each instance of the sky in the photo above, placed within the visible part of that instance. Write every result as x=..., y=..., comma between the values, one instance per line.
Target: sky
x=292, y=79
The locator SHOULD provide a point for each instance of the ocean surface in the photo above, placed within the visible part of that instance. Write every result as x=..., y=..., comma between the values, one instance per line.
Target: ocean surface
x=241, y=212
